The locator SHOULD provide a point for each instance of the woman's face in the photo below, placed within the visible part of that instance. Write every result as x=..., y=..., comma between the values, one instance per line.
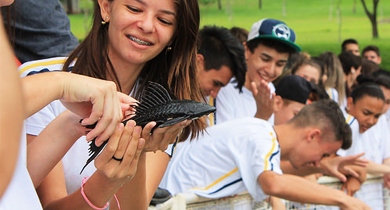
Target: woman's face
x=138, y=29
x=366, y=110
x=310, y=73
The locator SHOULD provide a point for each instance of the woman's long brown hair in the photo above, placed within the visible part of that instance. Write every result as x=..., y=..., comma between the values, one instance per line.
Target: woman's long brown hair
x=175, y=69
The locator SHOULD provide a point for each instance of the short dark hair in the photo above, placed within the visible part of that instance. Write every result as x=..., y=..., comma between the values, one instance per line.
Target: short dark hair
x=372, y=48
x=366, y=88
x=327, y=116
x=382, y=78
x=347, y=41
x=219, y=47
x=240, y=33
x=369, y=66
x=271, y=43
x=349, y=60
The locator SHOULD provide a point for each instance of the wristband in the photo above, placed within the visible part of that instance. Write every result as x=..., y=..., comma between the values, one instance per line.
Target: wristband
x=89, y=202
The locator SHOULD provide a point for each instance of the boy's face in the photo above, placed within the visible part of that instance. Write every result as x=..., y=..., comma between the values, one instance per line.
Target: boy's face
x=312, y=150
x=286, y=111
x=353, y=48
x=366, y=110
x=372, y=56
x=264, y=63
x=212, y=80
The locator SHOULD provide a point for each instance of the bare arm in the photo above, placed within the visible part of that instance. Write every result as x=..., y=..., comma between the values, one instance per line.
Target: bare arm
x=12, y=111
x=295, y=188
x=377, y=169
x=109, y=177
x=90, y=98
x=54, y=141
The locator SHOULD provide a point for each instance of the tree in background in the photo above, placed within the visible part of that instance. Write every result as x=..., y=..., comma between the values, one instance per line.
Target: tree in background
x=372, y=17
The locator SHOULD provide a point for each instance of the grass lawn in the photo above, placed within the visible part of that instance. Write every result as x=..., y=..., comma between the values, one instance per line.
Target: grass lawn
x=315, y=22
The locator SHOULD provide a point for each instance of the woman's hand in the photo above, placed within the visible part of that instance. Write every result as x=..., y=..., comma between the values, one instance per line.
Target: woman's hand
x=161, y=137
x=119, y=159
x=95, y=100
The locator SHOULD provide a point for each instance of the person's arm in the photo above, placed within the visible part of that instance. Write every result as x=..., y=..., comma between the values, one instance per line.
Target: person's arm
x=353, y=184
x=54, y=141
x=151, y=168
x=294, y=188
x=336, y=166
x=109, y=177
x=12, y=111
x=377, y=169
x=90, y=98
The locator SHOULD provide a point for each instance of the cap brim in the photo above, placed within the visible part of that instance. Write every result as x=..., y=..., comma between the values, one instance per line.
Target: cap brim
x=290, y=44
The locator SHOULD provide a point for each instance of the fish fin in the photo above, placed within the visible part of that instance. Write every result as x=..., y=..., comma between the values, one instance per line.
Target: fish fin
x=153, y=95
x=94, y=151
x=173, y=121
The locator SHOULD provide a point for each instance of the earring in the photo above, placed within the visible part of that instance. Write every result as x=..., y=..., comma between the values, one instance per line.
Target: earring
x=104, y=21
x=169, y=48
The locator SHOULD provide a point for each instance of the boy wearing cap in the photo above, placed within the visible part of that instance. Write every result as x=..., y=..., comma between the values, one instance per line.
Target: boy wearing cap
x=269, y=45
x=292, y=94
x=245, y=154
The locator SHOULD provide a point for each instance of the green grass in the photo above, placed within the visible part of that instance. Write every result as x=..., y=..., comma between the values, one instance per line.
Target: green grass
x=317, y=28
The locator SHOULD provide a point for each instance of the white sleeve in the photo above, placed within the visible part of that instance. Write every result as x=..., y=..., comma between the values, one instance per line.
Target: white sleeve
x=37, y=122
x=225, y=105
x=261, y=155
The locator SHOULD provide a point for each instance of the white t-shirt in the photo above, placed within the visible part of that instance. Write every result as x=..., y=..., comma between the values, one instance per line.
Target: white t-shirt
x=376, y=145
x=225, y=161
x=20, y=193
x=75, y=159
x=354, y=125
x=333, y=94
x=231, y=104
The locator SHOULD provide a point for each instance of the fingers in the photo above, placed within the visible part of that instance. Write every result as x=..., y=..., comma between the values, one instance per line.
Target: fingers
x=125, y=139
x=162, y=137
x=340, y=176
x=133, y=152
x=111, y=147
x=352, y=172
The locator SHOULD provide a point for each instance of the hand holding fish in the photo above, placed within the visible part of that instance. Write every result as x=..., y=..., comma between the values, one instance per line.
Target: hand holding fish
x=118, y=160
x=96, y=101
x=161, y=137
x=158, y=110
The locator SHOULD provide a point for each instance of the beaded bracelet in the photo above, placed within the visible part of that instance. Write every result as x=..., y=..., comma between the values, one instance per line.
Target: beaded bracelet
x=89, y=202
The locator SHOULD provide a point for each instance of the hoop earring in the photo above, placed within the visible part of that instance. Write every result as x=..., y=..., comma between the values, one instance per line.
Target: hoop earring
x=104, y=21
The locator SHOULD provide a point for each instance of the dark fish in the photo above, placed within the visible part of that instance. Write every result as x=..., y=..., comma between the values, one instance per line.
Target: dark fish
x=156, y=105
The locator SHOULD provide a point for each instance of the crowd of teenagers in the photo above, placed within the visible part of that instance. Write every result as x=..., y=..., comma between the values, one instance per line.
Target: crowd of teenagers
x=283, y=117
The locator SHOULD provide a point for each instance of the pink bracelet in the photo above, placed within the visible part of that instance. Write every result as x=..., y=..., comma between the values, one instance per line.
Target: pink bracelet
x=89, y=202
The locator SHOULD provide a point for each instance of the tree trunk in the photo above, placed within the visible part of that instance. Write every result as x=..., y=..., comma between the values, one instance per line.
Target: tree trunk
x=219, y=5
x=372, y=17
x=339, y=19
x=69, y=5
x=284, y=9
x=260, y=4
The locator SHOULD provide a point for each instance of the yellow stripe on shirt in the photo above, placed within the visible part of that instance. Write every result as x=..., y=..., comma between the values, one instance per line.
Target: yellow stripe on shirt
x=270, y=152
x=44, y=63
x=349, y=118
x=211, y=116
x=217, y=181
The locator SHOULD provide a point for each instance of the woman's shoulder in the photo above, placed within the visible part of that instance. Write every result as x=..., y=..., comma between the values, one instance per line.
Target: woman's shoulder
x=43, y=65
